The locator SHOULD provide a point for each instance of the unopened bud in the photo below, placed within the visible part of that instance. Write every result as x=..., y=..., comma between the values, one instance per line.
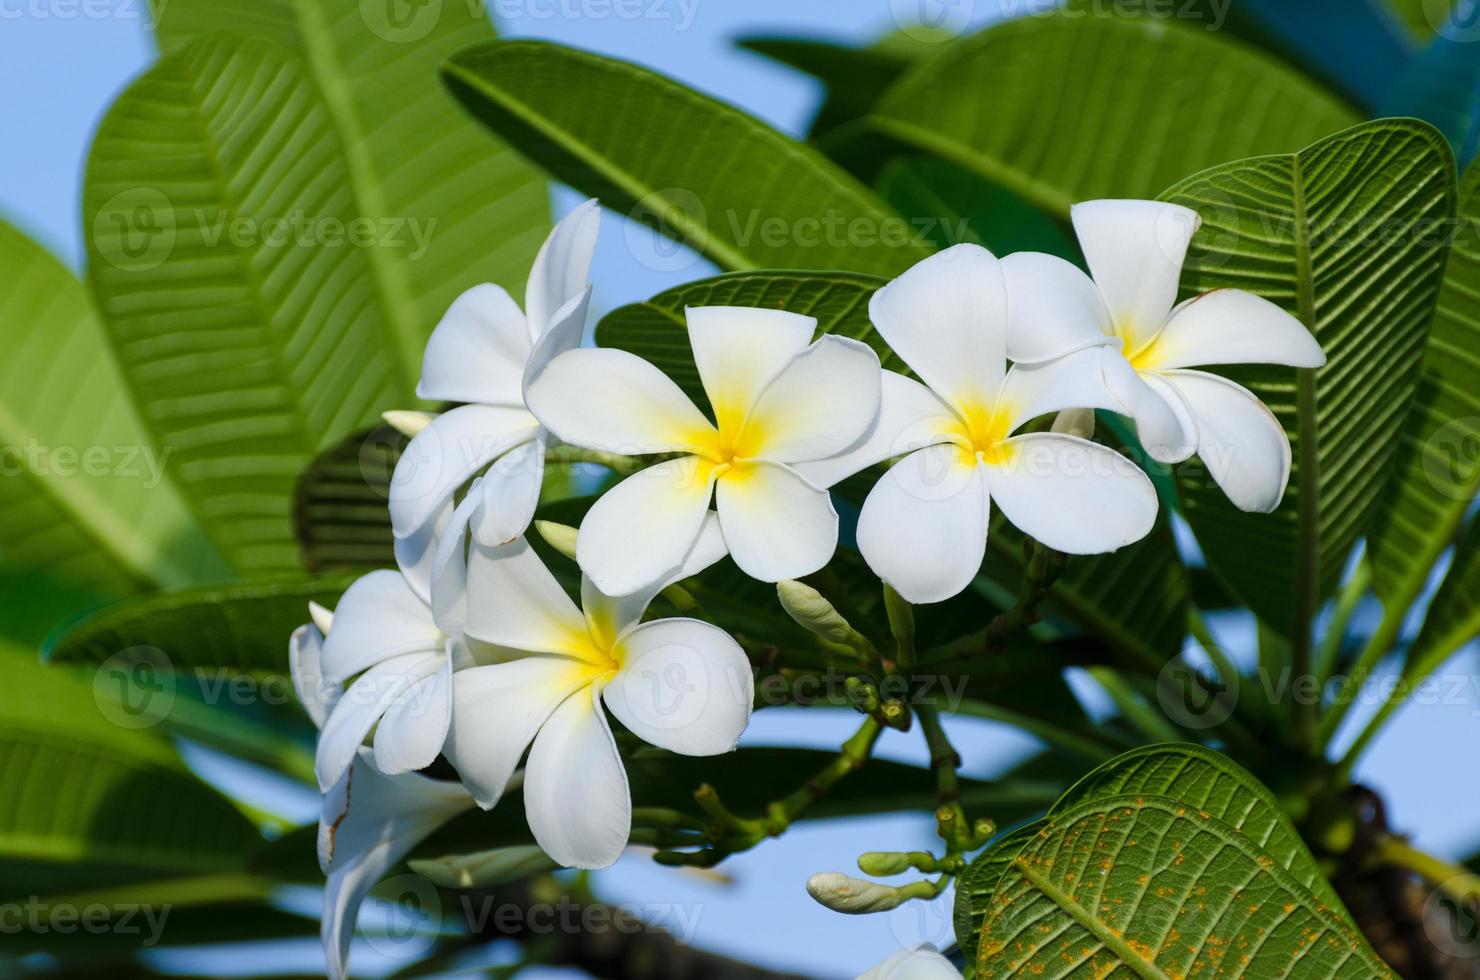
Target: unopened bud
x=862, y=694
x=880, y=863
x=484, y=869
x=1075, y=422
x=408, y=423
x=561, y=537
x=854, y=896
x=322, y=618
x=813, y=612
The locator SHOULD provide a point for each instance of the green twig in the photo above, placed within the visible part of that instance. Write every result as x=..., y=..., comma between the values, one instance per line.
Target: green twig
x=1347, y=601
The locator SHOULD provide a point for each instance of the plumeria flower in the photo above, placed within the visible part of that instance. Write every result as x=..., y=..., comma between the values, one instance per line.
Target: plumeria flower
x=778, y=401
x=479, y=354
x=1135, y=249
x=923, y=528
x=679, y=684
x=920, y=963
x=369, y=820
x=386, y=638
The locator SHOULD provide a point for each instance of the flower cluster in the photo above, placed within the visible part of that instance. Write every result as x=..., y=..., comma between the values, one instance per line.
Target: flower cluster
x=474, y=651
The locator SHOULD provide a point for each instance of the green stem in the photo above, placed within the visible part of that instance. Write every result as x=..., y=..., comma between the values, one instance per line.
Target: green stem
x=855, y=752
x=944, y=759
x=1133, y=708
x=1458, y=882
x=1380, y=644
x=568, y=455
x=1043, y=567
x=1347, y=601
x=902, y=625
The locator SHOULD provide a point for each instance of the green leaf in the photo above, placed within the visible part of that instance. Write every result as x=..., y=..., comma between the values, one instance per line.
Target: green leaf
x=86, y=502
x=696, y=169
x=975, y=885
x=1168, y=861
x=967, y=208
x=462, y=207
x=1341, y=235
x=247, y=350
x=85, y=797
x=655, y=329
x=1436, y=469
x=339, y=504
x=244, y=625
x=1068, y=108
x=855, y=77
x=1453, y=616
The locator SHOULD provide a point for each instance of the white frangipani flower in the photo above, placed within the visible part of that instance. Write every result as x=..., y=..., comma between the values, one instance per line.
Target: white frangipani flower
x=679, y=684
x=369, y=820
x=1135, y=249
x=920, y=963
x=384, y=637
x=479, y=355
x=923, y=528
x=777, y=402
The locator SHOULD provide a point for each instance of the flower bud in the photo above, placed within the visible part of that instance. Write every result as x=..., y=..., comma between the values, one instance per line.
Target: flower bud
x=854, y=896
x=813, y=612
x=880, y=863
x=408, y=423
x=1075, y=422
x=561, y=537
x=484, y=869
x=322, y=618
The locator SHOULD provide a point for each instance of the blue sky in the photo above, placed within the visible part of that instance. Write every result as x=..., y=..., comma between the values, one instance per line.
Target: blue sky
x=61, y=61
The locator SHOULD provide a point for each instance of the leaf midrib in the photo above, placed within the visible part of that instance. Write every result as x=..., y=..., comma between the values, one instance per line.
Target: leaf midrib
x=391, y=279
x=1308, y=531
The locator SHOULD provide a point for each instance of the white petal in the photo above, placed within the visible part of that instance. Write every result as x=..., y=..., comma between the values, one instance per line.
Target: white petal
x=947, y=318
x=446, y=454
x=1230, y=326
x=514, y=601
x=378, y=617
x=369, y=823
x=608, y=399
x=496, y=711
x=575, y=788
x=921, y=963
x=739, y=349
x=1071, y=494
x=685, y=686
x=511, y=492
x=608, y=616
x=1239, y=440
x=1135, y=251
x=1074, y=381
x=923, y=527
x=1053, y=308
x=562, y=267
x=305, y=654
x=911, y=416
x=1164, y=424
x=566, y=331
x=449, y=567
x=362, y=705
x=416, y=554
x=820, y=404
x=776, y=524
x=410, y=734
x=477, y=352
x=640, y=531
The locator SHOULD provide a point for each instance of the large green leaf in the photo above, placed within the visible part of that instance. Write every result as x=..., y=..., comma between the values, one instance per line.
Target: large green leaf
x=85, y=501
x=855, y=77
x=89, y=802
x=469, y=209
x=701, y=171
x=248, y=344
x=975, y=885
x=1341, y=235
x=1436, y=469
x=1453, y=617
x=243, y=626
x=1067, y=108
x=1167, y=861
x=339, y=505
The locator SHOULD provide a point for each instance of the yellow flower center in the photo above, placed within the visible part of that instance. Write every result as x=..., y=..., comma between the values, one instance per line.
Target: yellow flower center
x=1142, y=356
x=981, y=434
x=733, y=441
